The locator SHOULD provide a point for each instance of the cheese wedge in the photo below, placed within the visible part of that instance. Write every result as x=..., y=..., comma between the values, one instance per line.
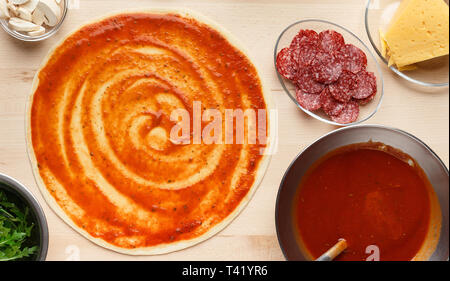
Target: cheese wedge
x=408, y=67
x=384, y=47
x=418, y=32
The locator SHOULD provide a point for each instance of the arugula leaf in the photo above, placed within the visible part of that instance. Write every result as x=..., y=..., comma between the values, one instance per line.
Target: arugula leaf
x=15, y=230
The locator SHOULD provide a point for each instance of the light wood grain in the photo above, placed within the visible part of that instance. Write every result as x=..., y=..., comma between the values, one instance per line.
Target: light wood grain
x=257, y=24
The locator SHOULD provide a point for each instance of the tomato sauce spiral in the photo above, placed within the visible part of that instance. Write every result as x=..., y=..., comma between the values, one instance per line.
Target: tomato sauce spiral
x=99, y=125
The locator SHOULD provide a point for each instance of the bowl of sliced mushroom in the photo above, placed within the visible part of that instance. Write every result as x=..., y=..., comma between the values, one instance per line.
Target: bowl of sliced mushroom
x=32, y=20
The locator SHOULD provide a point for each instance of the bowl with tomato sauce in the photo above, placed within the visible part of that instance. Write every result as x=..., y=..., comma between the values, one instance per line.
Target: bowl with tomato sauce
x=381, y=189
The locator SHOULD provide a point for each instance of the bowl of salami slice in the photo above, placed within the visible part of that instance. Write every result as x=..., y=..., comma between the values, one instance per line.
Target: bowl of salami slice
x=328, y=72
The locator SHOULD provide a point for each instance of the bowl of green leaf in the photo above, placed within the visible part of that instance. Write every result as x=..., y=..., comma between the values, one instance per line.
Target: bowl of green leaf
x=23, y=226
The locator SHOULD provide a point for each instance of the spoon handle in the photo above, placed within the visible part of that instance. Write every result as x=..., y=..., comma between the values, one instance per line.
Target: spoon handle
x=334, y=251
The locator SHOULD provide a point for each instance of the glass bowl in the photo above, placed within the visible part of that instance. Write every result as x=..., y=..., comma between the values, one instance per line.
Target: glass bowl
x=432, y=73
x=49, y=31
x=284, y=40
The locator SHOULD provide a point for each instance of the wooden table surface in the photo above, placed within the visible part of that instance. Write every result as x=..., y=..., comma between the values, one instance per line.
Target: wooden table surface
x=257, y=24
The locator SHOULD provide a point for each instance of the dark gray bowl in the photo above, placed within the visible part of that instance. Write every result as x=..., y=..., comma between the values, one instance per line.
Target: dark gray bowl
x=433, y=167
x=19, y=191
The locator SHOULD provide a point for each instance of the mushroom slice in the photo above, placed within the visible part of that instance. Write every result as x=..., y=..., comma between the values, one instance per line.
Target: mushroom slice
x=24, y=14
x=18, y=2
x=30, y=5
x=51, y=11
x=38, y=17
x=22, y=25
x=12, y=9
x=4, y=12
x=38, y=32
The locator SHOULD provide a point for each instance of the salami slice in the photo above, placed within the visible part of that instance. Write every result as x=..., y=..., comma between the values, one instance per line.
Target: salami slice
x=366, y=85
x=331, y=41
x=304, y=46
x=343, y=89
x=306, y=54
x=304, y=36
x=310, y=102
x=349, y=114
x=285, y=65
x=352, y=58
x=306, y=82
x=366, y=100
x=326, y=68
x=330, y=105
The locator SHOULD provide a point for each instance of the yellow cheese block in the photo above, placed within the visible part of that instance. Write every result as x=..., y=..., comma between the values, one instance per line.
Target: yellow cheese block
x=384, y=47
x=408, y=67
x=418, y=31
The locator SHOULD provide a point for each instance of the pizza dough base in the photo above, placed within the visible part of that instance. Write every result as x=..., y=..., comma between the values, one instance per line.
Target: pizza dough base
x=162, y=248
